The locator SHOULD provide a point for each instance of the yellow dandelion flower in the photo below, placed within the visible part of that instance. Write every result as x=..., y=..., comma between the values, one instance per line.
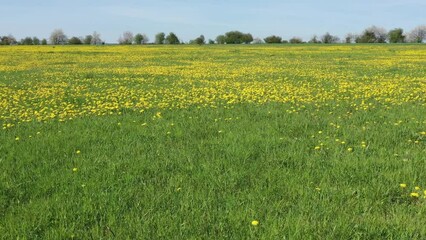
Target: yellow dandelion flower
x=17, y=139
x=317, y=148
x=78, y=151
x=254, y=222
x=403, y=185
x=417, y=188
x=350, y=149
x=414, y=195
x=75, y=169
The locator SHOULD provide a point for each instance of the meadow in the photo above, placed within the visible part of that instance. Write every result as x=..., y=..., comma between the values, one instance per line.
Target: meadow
x=213, y=142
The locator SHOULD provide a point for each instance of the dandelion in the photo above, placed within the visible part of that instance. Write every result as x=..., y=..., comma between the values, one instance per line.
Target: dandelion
x=75, y=169
x=317, y=148
x=17, y=139
x=414, y=195
x=417, y=188
x=254, y=222
x=350, y=149
x=403, y=185
x=78, y=151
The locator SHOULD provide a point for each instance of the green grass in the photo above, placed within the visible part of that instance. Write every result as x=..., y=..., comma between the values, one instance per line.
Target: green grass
x=207, y=171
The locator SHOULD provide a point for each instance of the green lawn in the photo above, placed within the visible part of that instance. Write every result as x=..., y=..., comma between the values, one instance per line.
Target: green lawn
x=322, y=157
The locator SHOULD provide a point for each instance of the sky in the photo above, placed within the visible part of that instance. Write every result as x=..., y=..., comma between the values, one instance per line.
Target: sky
x=189, y=19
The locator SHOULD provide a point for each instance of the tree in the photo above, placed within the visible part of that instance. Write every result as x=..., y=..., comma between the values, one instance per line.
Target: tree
x=380, y=33
x=372, y=34
x=138, y=39
x=88, y=39
x=366, y=37
x=126, y=39
x=75, y=41
x=27, y=41
x=211, y=41
x=396, y=35
x=221, y=39
x=314, y=39
x=172, y=39
x=257, y=41
x=145, y=39
x=418, y=34
x=237, y=37
x=96, y=39
x=247, y=38
x=328, y=38
x=296, y=40
x=199, y=40
x=36, y=41
x=233, y=37
x=160, y=38
x=273, y=39
x=44, y=41
x=350, y=38
x=58, y=37
x=8, y=40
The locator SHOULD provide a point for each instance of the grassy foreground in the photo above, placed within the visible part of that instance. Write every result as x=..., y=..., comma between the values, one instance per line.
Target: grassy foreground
x=313, y=142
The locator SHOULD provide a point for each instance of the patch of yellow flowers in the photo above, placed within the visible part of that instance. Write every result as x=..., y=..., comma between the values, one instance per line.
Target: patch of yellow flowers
x=40, y=83
x=416, y=193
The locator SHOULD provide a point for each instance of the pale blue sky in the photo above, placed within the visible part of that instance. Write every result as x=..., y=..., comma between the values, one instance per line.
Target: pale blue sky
x=190, y=18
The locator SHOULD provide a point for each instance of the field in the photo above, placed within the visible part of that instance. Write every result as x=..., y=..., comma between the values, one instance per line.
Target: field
x=213, y=142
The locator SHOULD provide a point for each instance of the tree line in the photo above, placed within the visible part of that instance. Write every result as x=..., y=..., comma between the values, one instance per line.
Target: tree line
x=372, y=34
